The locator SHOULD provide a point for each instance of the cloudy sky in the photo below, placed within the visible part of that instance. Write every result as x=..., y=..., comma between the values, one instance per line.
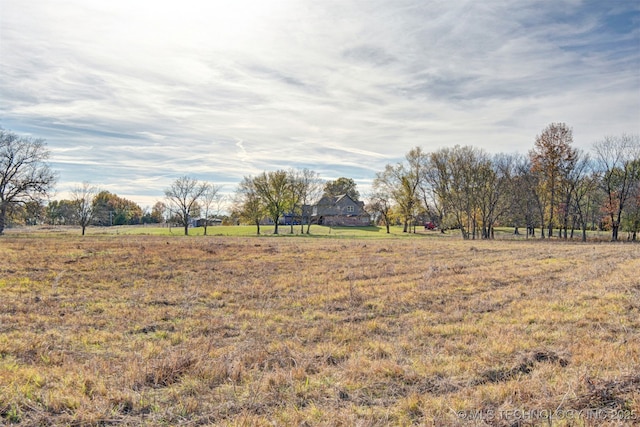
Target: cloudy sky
x=132, y=94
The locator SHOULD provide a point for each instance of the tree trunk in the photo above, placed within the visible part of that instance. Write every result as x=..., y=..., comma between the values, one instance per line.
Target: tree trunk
x=83, y=227
x=387, y=224
x=205, y=227
x=406, y=226
x=186, y=229
x=465, y=235
x=275, y=230
x=258, y=228
x=3, y=216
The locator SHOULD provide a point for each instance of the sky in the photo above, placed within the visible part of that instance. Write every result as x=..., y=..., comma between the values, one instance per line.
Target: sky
x=132, y=94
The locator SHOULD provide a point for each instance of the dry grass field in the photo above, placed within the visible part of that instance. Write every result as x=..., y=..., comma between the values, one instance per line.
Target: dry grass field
x=157, y=330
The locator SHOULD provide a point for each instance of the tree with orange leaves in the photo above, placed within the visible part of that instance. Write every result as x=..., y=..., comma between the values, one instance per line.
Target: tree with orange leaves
x=552, y=160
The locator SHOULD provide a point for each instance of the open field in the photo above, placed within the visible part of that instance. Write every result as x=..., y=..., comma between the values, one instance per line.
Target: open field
x=168, y=330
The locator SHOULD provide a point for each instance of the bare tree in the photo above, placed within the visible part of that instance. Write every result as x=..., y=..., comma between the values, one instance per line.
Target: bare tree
x=494, y=176
x=82, y=199
x=618, y=160
x=183, y=195
x=522, y=203
x=437, y=184
x=455, y=175
x=574, y=175
x=210, y=203
x=25, y=174
x=585, y=197
x=309, y=187
x=632, y=214
x=380, y=202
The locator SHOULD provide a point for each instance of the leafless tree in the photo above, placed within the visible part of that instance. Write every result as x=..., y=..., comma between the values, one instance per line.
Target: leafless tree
x=25, y=174
x=618, y=161
x=183, y=195
x=82, y=199
x=309, y=187
x=210, y=203
x=380, y=202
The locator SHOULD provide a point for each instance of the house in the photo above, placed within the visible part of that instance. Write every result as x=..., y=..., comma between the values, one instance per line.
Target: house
x=199, y=222
x=340, y=211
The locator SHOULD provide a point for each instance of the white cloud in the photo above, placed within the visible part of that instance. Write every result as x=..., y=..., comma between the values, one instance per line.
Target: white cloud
x=219, y=89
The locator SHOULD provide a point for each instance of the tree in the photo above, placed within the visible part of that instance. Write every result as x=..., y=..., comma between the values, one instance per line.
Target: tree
x=618, y=161
x=574, y=176
x=111, y=209
x=82, y=199
x=632, y=214
x=183, y=196
x=494, y=177
x=586, y=200
x=552, y=158
x=25, y=174
x=308, y=186
x=342, y=186
x=248, y=205
x=402, y=182
x=522, y=203
x=437, y=183
x=211, y=201
x=29, y=213
x=273, y=189
x=60, y=212
x=456, y=177
x=380, y=202
x=158, y=212
x=295, y=192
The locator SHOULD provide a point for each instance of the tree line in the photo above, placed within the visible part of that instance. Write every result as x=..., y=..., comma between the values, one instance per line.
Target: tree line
x=554, y=188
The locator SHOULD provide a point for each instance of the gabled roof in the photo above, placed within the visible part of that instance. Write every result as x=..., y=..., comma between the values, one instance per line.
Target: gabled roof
x=330, y=205
x=335, y=199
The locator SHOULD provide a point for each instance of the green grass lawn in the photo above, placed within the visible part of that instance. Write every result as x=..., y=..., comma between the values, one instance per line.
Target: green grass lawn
x=266, y=230
x=317, y=231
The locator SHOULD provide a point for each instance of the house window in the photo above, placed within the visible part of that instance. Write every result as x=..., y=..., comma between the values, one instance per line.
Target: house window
x=350, y=209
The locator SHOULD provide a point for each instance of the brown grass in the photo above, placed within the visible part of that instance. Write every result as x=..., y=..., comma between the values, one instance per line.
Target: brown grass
x=294, y=331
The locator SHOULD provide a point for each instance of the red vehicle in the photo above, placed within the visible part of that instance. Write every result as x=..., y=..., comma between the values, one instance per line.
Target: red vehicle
x=429, y=226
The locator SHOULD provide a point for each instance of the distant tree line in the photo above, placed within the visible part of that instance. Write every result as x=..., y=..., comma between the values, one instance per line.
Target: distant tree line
x=554, y=188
